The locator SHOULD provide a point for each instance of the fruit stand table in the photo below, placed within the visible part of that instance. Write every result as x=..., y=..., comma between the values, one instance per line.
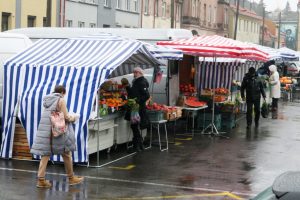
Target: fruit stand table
x=193, y=111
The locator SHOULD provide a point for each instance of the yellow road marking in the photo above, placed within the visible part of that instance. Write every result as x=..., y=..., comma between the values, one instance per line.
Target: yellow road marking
x=129, y=167
x=233, y=196
x=177, y=143
x=184, y=139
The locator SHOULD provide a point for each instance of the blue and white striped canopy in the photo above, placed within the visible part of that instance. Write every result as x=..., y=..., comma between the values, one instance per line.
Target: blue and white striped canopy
x=81, y=64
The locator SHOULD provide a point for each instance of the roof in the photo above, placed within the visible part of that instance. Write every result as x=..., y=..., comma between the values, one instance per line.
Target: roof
x=138, y=33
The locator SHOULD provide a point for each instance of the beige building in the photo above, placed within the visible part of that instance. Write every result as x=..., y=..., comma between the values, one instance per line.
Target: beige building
x=249, y=25
x=26, y=13
x=206, y=17
x=157, y=13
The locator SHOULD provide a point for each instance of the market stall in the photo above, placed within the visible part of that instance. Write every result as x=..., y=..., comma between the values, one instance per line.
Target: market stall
x=214, y=47
x=81, y=64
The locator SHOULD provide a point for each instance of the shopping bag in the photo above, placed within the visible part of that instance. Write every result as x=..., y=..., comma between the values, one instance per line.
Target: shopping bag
x=265, y=110
x=135, y=117
x=58, y=124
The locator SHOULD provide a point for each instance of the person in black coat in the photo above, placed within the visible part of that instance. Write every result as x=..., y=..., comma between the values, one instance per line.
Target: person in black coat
x=254, y=90
x=139, y=91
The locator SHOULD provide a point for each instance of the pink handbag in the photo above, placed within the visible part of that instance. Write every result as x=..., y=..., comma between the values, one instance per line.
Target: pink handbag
x=58, y=124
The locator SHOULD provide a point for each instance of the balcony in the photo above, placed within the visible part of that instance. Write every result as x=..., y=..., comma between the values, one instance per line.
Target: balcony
x=190, y=20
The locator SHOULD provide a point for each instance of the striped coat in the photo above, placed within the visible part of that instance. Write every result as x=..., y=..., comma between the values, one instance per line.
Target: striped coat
x=64, y=143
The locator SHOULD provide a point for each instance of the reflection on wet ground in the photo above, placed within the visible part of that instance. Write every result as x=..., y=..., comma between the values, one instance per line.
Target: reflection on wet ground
x=203, y=167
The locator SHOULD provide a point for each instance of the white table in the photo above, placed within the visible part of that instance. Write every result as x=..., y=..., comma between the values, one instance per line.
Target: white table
x=194, y=110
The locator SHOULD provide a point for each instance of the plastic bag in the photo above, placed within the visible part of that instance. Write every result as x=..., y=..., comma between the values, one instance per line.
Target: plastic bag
x=265, y=110
x=135, y=117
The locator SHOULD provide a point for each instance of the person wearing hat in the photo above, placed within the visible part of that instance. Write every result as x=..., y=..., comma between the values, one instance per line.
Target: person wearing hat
x=275, y=89
x=254, y=90
x=139, y=91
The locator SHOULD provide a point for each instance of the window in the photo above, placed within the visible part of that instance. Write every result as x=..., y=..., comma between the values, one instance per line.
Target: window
x=193, y=8
x=119, y=4
x=146, y=6
x=205, y=14
x=163, y=8
x=214, y=15
x=178, y=12
x=5, y=24
x=136, y=6
x=127, y=4
x=209, y=14
x=69, y=23
x=31, y=21
x=92, y=25
x=44, y=21
x=106, y=3
x=106, y=26
x=81, y=24
x=156, y=8
x=226, y=17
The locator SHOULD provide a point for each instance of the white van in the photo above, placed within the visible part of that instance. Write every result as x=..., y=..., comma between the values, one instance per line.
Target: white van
x=162, y=92
x=10, y=45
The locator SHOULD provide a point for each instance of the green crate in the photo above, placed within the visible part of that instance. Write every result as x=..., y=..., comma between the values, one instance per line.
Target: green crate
x=155, y=115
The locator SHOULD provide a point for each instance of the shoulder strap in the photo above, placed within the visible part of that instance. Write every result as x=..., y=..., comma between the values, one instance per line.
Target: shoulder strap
x=57, y=104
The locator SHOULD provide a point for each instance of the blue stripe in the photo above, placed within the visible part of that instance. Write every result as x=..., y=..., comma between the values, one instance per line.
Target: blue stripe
x=10, y=112
x=24, y=89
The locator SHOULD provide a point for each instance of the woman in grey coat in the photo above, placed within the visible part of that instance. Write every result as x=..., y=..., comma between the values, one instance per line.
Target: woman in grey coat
x=45, y=145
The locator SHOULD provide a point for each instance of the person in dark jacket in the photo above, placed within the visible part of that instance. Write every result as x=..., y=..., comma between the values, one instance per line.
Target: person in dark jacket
x=254, y=90
x=139, y=91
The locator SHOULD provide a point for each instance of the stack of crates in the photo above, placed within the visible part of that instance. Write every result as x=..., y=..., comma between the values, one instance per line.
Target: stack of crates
x=204, y=121
x=228, y=120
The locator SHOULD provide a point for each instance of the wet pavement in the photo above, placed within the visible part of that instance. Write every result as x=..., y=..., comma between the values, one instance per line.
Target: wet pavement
x=202, y=167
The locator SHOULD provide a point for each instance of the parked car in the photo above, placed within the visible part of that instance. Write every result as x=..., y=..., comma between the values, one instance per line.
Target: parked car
x=285, y=187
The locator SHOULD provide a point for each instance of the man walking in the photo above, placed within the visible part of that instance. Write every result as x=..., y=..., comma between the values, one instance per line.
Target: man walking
x=254, y=88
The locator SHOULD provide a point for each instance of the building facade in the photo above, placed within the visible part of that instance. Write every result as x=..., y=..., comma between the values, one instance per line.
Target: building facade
x=248, y=27
x=206, y=17
x=81, y=13
x=106, y=15
x=128, y=13
x=27, y=13
x=158, y=14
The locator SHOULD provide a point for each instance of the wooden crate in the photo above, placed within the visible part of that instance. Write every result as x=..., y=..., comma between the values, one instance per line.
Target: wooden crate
x=21, y=148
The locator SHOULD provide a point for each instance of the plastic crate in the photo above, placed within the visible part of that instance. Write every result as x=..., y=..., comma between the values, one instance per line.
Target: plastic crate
x=155, y=115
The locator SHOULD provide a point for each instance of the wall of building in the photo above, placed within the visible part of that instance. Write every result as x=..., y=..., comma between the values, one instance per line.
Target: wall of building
x=81, y=14
x=107, y=14
x=128, y=16
x=8, y=7
x=36, y=8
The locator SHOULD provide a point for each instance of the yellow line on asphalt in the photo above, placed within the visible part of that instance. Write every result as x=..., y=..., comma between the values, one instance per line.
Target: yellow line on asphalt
x=129, y=167
x=177, y=143
x=184, y=139
x=233, y=196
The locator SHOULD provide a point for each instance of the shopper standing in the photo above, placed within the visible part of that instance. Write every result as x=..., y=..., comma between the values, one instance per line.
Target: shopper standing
x=275, y=90
x=254, y=90
x=46, y=145
x=139, y=91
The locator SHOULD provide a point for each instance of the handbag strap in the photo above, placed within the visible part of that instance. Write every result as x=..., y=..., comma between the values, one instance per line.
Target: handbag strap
x=57, y=104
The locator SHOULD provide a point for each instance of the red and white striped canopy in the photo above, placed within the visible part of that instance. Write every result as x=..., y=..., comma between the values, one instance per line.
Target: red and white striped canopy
x=216, y=46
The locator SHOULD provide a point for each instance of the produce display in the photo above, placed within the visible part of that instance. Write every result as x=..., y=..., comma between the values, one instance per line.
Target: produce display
x=187, y=88
x=286, y=80
x=111, y=100
x=169, y=112
x=194, y=102
x=218, y=91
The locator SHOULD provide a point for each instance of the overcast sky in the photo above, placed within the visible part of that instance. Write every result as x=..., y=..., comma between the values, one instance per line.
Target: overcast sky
x=273, y=4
